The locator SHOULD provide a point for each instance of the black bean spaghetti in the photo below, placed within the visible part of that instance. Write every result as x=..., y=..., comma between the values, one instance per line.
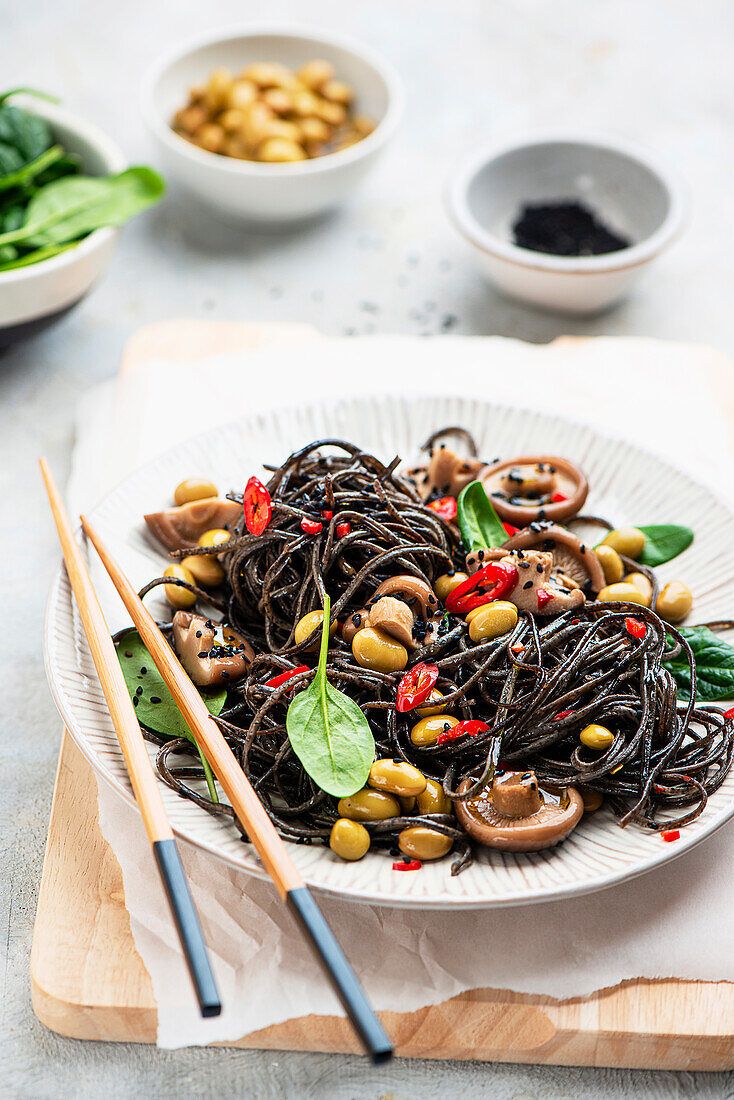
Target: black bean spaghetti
x=343, y=522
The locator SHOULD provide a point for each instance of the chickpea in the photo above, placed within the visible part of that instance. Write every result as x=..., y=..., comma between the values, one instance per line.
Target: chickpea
x=627, y=593
x=610, y=562
x=397, y=777
x=435, y=696
x=280, y=128
x=217, y=89
x=596, y=737
x=194, y=488
x=427, y=730
x=278, y=150
x=419, y=842
x=179, y=597
x=641, y=582
x=363, y=124
x=258, y=116
x=204, y=569
x=279, y=100
x=433, y=800
x=625, y=540
x=493, y=620
x=215, y=537
x=333, y=113
x=210, y=136
x=315, y=73
x=241, y=95
x=367, y=805
x=268, y=74
x=235, y=146
x=592, y=799
x=189, y=119
x=376, y=650
x=674, y=601
x=308, y=624
x=348, y=839
x=233, y=120
x=446, y=584
x=313, y=129
x=304, y=105
x=336, y=91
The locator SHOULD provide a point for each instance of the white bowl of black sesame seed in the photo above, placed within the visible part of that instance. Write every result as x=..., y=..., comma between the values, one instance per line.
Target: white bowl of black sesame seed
x=565, y=223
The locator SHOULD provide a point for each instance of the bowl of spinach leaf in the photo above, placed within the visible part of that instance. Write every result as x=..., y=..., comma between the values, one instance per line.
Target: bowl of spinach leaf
x=64, y=191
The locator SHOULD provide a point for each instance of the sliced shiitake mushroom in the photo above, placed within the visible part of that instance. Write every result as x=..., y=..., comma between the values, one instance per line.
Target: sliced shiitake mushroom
x=212, y=653
x=181, y=528
x=514, y=814
x=535, y=487
x=572, y=558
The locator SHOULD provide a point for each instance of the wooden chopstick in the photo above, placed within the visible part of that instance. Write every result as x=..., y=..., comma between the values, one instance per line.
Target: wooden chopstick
x=251, y=812
x=139, y=768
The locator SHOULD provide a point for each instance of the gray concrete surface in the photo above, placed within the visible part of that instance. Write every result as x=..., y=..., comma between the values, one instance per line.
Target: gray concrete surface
x=657, y=73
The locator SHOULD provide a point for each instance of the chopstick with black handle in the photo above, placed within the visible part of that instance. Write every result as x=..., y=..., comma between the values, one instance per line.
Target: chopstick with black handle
x=139, y=768
x=251, y=812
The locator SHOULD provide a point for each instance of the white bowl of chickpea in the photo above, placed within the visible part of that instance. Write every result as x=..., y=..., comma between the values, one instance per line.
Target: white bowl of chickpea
x=268, y=125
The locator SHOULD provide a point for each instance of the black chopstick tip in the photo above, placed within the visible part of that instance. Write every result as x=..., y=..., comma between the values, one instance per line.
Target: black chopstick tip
x=372, y=1034
x=187, y=924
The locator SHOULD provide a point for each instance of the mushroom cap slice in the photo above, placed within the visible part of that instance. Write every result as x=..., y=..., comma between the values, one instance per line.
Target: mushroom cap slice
x=395, y=618
x=181, y=528
x=549, y=474
x=445, y=474
x=209, y=662
x=571, y=557
x=557, y=816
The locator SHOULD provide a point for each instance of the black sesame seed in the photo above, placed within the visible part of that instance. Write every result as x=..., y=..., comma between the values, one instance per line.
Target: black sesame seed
x=582, y=549
x=539, y=567
x=225, y=674
x=138, y=691
x=135, y=701
x=154, y=699
x=203, y=653
x=143, y=670
x=528, y=584
x=541, y=513
x=198, y=633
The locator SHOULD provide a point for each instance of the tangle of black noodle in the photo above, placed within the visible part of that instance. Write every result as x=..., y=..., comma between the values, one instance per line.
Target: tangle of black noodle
x=536, y=687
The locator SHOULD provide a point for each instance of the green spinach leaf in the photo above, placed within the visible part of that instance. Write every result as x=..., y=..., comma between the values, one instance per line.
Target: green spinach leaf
x=11, y=160
x=9, y=258
x=663, y=542
x=24, y=131
x=714, y=665
x=73, y=206
x=328, y=732
x=163, y=716
x=480, y=526
x=33, y=168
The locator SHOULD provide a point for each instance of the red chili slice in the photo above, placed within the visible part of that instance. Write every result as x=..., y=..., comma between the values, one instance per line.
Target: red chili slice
x=470, y=727
x=544, y=597
x=257, y=505
x=311, y=527
x=284, y=677
x=446, y=508
x=557, y=498
x=416, y=686
x=510, y=530
x=561, y=714
x=635, y=628
x=493, y=582
x=411, y=865
x=343, y=529
x=327, y=514
x=729, y=715
x=671, y=834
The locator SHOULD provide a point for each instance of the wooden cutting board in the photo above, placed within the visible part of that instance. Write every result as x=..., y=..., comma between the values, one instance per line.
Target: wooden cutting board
x=89, y=982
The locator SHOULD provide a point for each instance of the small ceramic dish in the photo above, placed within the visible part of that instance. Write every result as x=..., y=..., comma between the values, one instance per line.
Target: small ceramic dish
x=270, y=192
x=625, y=188
x=35, y=296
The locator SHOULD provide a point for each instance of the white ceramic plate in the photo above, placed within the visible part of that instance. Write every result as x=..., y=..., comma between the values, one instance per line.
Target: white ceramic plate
x=627, y=485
